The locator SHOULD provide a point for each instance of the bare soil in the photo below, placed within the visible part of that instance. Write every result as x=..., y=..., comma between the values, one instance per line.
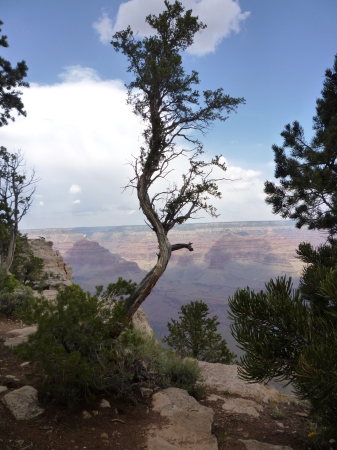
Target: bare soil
x=124, y=426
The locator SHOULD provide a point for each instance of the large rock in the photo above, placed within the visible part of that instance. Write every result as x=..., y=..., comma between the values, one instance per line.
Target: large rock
x=141, y=322
x=23, y=403
x=242, y=406
x=251, y=444
x=19, y=335
x=225, y=378
x=58, y=272
x=189, y=423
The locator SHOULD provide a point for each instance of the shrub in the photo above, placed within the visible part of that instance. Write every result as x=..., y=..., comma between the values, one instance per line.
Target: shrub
x=81, y=356
x=293, y=338
x=183, y=374
x=13, y=295
x=27, y=268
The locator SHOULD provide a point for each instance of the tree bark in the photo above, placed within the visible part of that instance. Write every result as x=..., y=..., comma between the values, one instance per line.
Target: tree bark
x=149, y=281
x=11, y=249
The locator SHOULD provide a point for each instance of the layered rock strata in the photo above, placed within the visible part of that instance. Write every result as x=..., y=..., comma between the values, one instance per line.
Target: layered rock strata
x=57, y=272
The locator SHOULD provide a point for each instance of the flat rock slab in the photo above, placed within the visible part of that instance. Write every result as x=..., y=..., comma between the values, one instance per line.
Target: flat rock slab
x=189, y=423
x=238, y=405
x=256, y=445
x=242, y=406
x=20, y=335
x=224, y=378
x=23, y=403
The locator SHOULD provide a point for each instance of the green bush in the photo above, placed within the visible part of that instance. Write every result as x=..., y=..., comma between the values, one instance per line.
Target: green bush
x=81, y=356
x=152, y=364
x=27, y=268
x=13, y=295
x=183, y=374
x=195, y=335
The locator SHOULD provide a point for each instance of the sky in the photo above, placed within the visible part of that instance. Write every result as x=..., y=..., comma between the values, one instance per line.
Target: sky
x=79, y=134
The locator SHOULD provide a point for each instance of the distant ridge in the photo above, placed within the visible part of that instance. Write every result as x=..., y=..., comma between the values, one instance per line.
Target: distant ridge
x=94, y=265
x=226, y=255
x=87, y=230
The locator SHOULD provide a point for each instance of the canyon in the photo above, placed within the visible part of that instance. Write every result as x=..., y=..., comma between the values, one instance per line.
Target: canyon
x=226, y=256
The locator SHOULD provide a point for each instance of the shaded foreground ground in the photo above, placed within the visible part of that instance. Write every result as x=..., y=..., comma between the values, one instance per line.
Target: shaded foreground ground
x=59, y=428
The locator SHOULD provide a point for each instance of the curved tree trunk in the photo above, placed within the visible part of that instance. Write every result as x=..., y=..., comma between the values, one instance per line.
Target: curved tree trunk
x=149, y=281
x=11, y=249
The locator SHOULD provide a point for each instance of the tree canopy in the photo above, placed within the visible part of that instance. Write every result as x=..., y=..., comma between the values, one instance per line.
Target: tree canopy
x=307, y=191
x=164, y=97
x=11, y=78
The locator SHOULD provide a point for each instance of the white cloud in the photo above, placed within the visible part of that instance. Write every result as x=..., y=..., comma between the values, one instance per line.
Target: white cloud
x=75, y=189
x=104, y=28
x=222, y=17
x=75, y=202
x=41, y=203
x=80, y=135
x=76, y=74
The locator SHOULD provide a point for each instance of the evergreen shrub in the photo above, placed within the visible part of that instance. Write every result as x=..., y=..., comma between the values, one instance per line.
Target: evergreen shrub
x=195, y=335
x=80, y=355
x=291, y=335
x=13, y=295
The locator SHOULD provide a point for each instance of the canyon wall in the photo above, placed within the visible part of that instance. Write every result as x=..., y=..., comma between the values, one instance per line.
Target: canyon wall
x=226, y=256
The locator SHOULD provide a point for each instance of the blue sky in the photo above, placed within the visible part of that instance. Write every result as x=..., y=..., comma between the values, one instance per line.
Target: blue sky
x=79, y=133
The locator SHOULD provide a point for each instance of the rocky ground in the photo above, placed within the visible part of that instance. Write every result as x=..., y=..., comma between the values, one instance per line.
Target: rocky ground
x=232, y=415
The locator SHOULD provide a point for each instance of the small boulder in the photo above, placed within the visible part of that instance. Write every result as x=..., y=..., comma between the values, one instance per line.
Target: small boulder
x=3, y=389
x=20, y=335
x=146, y=392
x=86, y=415
x=12, y=378
x=23, y=403
x=104, y=404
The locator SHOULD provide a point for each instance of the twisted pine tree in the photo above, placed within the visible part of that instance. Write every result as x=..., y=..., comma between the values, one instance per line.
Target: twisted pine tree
x=164, y=98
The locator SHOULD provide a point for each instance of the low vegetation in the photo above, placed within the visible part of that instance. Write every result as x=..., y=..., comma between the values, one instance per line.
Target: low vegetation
x=80, y=356
x=16, y=287
x=13, y=294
